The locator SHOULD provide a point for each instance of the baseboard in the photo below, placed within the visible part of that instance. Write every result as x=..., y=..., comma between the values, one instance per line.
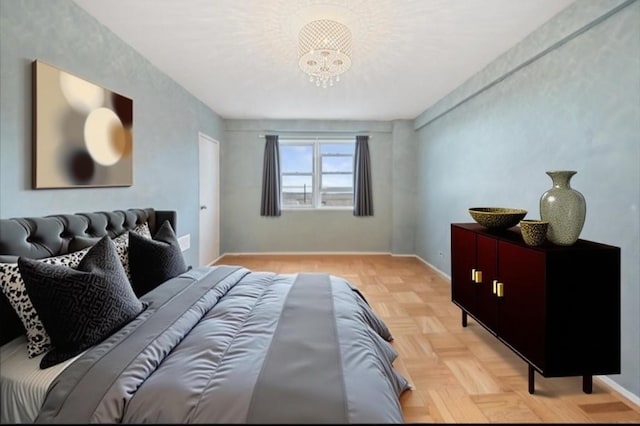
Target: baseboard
x=335, y=253
x=635, y=399
x=433, y=267
x=309, y=253
x=215, y=260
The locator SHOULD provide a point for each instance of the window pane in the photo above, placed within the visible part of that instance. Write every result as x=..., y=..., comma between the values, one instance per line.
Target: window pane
x=338, y=181
x=297, y=191
x=296, y=158
x=337, y=148
x=336, y=199
x=337, y=164
x=337, y=190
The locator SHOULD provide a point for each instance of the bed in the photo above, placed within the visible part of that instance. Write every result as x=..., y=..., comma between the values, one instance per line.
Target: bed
x=218, y=344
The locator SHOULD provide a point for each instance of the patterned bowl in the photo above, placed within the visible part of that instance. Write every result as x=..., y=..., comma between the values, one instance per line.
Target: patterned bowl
x=497, y=217
x=534, y=232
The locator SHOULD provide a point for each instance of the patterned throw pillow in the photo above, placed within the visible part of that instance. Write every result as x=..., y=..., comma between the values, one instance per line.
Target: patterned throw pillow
x=143, y=230
x=70, y=260
x=122, y=245
x=80, y=307
x=154, y=261
x=12, y=286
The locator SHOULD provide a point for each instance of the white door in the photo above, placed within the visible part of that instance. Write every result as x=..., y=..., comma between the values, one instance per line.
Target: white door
x=209, y=235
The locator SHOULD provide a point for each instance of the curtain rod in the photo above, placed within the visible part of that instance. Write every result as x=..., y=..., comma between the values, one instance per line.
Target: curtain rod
x=327, y=137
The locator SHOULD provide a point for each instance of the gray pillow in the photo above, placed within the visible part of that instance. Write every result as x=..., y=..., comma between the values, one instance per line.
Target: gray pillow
x=80, y=307
x=154, y=261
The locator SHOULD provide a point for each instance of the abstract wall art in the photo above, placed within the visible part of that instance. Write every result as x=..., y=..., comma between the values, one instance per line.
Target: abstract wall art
x=82, y=133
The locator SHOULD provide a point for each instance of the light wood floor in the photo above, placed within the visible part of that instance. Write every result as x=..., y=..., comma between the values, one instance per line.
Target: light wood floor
x=460, y=375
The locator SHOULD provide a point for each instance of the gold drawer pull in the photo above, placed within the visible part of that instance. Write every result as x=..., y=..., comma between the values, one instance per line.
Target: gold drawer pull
x=478, y=277
x=500, y=289
x=495, y=285
x=473, y=275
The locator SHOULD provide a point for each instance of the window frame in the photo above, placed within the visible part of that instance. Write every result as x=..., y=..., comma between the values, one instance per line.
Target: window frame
x=317, y=173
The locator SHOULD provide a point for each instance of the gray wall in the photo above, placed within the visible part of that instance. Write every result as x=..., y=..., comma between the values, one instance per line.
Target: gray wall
x=566, y=98
x=167, y=118
x=243, y=230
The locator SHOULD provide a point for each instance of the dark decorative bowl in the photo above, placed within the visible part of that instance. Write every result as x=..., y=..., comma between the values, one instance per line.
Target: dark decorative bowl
x=534, y=232
x=497, y=217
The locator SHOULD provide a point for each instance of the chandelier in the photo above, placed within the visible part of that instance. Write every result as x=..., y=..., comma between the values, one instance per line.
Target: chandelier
x=324, y=51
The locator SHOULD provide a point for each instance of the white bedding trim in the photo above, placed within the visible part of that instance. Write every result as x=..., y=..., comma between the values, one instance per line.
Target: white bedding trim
x=23, y=385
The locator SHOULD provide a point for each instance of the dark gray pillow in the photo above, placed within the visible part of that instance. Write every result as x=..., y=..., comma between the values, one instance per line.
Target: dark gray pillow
x=154, y=261
x=80, y=307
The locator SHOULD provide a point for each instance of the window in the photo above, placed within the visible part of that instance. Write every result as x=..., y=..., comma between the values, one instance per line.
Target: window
x=317, y=174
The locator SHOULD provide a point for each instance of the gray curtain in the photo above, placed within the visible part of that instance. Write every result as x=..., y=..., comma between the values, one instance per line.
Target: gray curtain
x=270, y=204
x=362, y=198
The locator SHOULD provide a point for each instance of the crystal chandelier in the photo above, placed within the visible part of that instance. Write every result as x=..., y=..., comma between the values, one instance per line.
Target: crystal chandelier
x=324, y=51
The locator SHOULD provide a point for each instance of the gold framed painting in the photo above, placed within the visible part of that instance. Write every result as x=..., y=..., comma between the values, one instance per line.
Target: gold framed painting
x=82, y=133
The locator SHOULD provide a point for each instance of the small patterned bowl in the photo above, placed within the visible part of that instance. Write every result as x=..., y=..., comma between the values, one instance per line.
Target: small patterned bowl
x=497, y=217
x=534, y=232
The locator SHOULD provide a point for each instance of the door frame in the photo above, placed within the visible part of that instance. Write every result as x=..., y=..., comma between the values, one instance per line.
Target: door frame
x=202, y=137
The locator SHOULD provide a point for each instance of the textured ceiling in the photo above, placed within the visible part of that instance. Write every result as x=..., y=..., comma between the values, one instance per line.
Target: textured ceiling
x=240, y=56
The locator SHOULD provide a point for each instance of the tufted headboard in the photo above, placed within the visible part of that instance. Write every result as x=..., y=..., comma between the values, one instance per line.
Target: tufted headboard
x=47, y=236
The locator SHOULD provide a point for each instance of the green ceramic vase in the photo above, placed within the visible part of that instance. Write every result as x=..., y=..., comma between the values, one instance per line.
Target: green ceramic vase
x=564, y=208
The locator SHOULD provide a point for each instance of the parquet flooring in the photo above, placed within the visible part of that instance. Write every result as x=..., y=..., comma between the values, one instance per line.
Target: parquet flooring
x=459, y=375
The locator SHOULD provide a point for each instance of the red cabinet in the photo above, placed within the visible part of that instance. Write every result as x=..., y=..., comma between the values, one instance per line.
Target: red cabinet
x=557, y=307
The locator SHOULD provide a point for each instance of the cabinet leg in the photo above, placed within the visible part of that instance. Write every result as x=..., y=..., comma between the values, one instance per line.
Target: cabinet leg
x=464, y=319
x=532, y=385
x=587, y=383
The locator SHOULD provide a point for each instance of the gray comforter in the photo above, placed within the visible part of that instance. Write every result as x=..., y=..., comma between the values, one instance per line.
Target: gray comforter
x=226, y=345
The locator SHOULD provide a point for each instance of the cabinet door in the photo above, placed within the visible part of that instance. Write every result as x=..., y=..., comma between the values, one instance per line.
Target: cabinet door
x=487, y=264
x=522, y=306
x=463, y=260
